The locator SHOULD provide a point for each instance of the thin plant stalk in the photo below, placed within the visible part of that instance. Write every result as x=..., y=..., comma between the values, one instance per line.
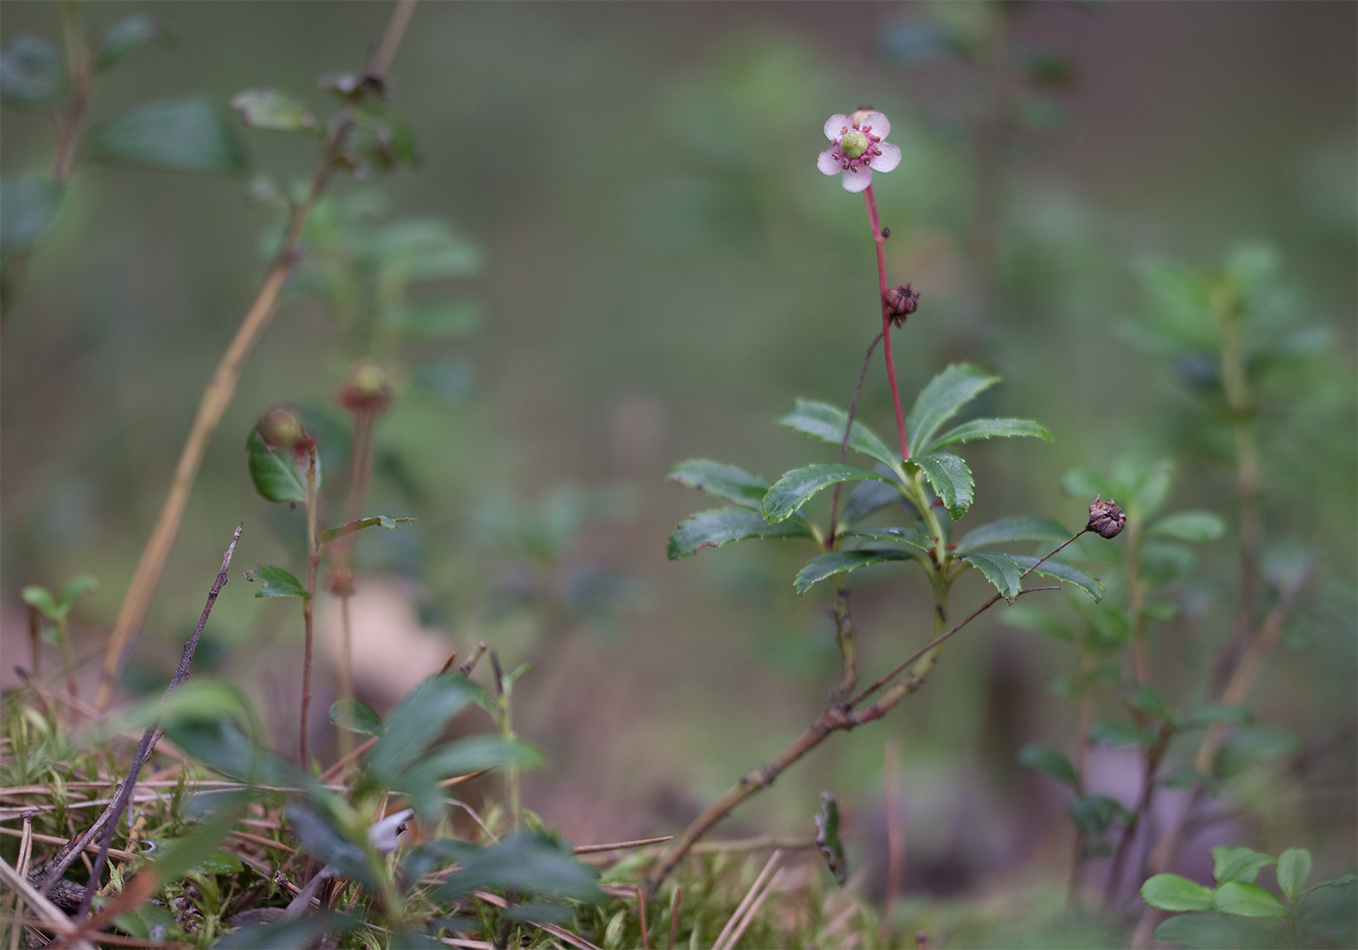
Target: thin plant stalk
x=313, y=560
x=879, y=239
x=221, y=389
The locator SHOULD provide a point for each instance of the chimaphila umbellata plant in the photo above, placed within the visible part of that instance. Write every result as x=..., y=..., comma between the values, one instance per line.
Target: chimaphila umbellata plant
x=921, y=482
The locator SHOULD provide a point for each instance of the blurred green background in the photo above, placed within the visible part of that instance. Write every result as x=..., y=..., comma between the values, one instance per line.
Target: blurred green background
x=663, y=270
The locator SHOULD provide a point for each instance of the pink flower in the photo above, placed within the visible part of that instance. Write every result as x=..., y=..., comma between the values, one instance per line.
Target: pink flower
x=857, y=148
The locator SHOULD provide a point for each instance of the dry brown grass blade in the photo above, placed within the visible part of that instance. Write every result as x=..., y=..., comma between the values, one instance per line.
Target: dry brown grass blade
x=750, y=897
x=50, y=915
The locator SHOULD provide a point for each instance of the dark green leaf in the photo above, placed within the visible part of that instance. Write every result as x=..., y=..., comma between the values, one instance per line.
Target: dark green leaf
x=1023, y=528
x=1216, y=713
x=267, y=109
x=331, y=534
x=524, y=862
x=146, y=919
x=1037, y=620
x=417, y=722
x=1172, y=892
x=445, y=320
x=127, y=36
x=452, y=379
x=279, y=474
x=837, y=562
x=1190, y=526
x=355, y=716
x=1247, y=900
x=1149, y=702
x=28, y=206
x=384, y=138
x=538, y=912
x=1187, y=778
x=421, y=781
x=939, y=401
x=1095, y=814
x=1063, y=572
x=1211, y=930
x=902, y=533
x=185, y=135
x=827, y=837
x=978, y=429
x=32, y=72
x=1326, y=912
x=950, y=479
x=1118, y=734
x=219, y=743
x=798, y=486
x=290, y=931
x=1046, y=759
x=867, y=498
x=1294, y=867
x=1165, y=561
x=277, y=582
x=722, y=525
x=321, y=838
x=723, y=481
x=38, y=596
x=1247, y=745
x=1238, y=864
x=1000, y=569
x=825, y=422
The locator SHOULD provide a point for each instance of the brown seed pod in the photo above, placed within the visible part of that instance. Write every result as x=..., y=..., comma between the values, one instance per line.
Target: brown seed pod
x=900, y=302
x=1106, y=518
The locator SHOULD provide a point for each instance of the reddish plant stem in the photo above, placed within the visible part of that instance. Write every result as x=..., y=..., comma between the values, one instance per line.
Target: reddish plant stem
x=880, y=240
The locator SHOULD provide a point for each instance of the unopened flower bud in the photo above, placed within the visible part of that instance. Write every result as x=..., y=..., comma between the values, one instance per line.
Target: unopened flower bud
x=368, y=389
x=900, y=302
x=281, y=428
x=1106, y=518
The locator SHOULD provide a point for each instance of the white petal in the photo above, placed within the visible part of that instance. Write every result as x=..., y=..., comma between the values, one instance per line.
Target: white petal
x=857, y=181
x=881, y=126
x=828, y=161
x=889, y=159
x=835, y=125
x=382, y=834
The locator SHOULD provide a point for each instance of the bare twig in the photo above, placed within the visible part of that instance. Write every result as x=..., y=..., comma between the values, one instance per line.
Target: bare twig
x=151, y=736
x=220, y=391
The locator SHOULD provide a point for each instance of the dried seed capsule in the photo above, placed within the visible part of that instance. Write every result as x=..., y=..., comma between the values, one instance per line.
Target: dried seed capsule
x=900, y=302
x=1106, y=518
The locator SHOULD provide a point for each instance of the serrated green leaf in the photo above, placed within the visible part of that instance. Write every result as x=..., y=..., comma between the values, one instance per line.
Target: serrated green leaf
x=1294, y=867
x=1046, y=759
x=868, y=498
x=36, y=595
x=184, y=135
x=1238, y=864
x=838, y=562
x=978, y=429
x=1023, y=528
x=32, y=72
x=723, y=525
x=827, y=837
x=939, y=401
x=1172, y=892
x=29, y=205
x=950, y=479
x=798, y=486
x=1196, y=526
x=1095, y=814
x=331, y=534
x=278, y=473
x=1000, y=569
x=275, y=112
x=902, y=533
x=825, y=422
x=417, y=722
x=354, y=716
x=127, y=36
x=1063, y=572
x=1247, y=900
x=1118, y=734
x=276, y=582
x=1216, y=713
x=723, y=481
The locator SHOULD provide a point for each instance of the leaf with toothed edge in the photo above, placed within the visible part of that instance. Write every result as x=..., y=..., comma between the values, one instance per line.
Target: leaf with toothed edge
x=721, y=480
x=823, y=421
x=939, y=401
x=798, y=486
x=902, y=533
x=869, y=497
x=950, y=479
x=978, y=429
x=277, y=582
x=723, y=525
x=1000, y=569
x=1004, y=530
x=840, y=562
x=1064, y=572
